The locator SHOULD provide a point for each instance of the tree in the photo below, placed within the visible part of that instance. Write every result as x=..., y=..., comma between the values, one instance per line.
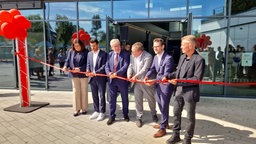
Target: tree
x=96, y=25
x=239, y=6
x=36, y=26
x=64, y=30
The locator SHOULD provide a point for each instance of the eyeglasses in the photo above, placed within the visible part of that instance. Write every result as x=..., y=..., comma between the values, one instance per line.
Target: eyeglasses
x=156, y=46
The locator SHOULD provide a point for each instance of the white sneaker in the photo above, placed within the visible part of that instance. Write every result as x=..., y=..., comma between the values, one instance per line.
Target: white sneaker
x=94, y=115
x=101, y=117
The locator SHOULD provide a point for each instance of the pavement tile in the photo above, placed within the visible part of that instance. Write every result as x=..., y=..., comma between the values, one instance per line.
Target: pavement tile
x=219, y=121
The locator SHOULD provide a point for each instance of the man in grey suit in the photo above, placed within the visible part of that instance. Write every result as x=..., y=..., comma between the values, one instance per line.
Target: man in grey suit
x=190, y=67
x=140, y=62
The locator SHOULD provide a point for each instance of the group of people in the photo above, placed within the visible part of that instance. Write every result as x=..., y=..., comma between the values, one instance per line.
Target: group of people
x=154, y=78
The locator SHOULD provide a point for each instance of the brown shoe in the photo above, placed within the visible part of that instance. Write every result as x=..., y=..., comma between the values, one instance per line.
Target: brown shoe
x=157, y=126
x=160, y=133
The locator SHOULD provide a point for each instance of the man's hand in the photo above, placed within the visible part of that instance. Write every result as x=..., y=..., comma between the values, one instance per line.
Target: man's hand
x=164, y=80
x=112, y=75
x=91, y=74
x=148, y=82
x=173, y=81
x=76, y=69
x=64, y=69
x=133, y=79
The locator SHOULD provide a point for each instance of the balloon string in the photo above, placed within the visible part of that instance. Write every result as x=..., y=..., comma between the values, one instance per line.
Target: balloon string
x=145, y=82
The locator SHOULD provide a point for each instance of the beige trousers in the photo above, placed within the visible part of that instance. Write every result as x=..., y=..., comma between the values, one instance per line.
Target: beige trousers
x=80, y=94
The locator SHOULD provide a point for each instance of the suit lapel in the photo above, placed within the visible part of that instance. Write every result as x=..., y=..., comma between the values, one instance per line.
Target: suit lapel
x=181, y=61
x=190, y=62
x=112, y=61
x=98, y=60
x=161, y=61
x=141, y=62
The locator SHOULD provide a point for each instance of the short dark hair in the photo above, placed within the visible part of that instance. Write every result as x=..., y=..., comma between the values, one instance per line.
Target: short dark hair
x=94, y=40
x=160, y=40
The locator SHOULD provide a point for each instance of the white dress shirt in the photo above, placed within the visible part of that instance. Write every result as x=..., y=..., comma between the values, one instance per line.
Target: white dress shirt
x=95, y=55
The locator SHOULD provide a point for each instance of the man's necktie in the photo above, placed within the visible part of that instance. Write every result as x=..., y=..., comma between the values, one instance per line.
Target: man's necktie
x=115, y=62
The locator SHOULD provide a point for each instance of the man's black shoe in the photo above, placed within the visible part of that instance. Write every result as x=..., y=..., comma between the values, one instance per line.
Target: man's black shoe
x=187, y=141
x=126, y=118
x=110, y=121
x=174, y=139
x=155, y=118
x=139, y=123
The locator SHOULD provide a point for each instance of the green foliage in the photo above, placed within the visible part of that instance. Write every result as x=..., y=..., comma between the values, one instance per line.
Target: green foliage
x=239, y=6
x=36, y=24
x=64, y=30
x=96, y=25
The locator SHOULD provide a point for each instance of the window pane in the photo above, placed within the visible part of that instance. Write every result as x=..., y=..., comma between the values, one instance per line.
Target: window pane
x=60, y=8
x=242, y=55
x=127, y=9
x=167, y=8
x=7, y=64
x=27, y=13
x=37, y=71
x=213, y=53
x=96, y=29
x=88, y=9
x=207, y=8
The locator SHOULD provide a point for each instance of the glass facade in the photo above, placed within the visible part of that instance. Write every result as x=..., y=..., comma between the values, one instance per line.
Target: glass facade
x=230, y=26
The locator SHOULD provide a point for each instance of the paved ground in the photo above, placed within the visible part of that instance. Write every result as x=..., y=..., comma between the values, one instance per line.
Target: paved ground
x=219, y=121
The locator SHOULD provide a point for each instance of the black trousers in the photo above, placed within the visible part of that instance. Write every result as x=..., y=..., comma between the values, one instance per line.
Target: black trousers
x=179, y=103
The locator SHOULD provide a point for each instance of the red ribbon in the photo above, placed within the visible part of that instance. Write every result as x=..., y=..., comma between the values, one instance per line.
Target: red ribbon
x=155, y=81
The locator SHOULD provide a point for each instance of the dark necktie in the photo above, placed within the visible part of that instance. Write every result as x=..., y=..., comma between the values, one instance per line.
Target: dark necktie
x=115, y=62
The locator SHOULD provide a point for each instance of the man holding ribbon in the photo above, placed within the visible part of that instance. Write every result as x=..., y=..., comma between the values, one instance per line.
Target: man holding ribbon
x=190, y=67
x=96, y=62
x=162, y=65
x=140, y=63
x=116, y=66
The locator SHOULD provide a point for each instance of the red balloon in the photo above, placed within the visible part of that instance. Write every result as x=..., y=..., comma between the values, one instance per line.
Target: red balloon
x=81, y=31
x=82, y=37
x=14, y=12
x=203, y=36
x=74, y=35
x=87, y=37
x=8, y=30
x=5, y=16
x=22, y=22
x=1, y=32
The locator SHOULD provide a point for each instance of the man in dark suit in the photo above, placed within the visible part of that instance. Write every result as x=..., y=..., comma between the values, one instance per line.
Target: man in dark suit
x=162, y=65
x=190, y=67
x=117, y=65
x=96, y=62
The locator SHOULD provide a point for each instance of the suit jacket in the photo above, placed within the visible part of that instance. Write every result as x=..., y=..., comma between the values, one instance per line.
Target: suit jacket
x=123, y=63
x=145, y=64
x=194, y=71
x=82, y=63
x=99, y=67
x=166, y=67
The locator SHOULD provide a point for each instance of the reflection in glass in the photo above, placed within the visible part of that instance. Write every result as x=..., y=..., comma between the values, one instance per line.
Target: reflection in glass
x=60, y=8
x=7, y=64
x=214, y=53
x=89, y=9
x=207, y=8
x=130, y=9
x=36, y=50
x=167, y=8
